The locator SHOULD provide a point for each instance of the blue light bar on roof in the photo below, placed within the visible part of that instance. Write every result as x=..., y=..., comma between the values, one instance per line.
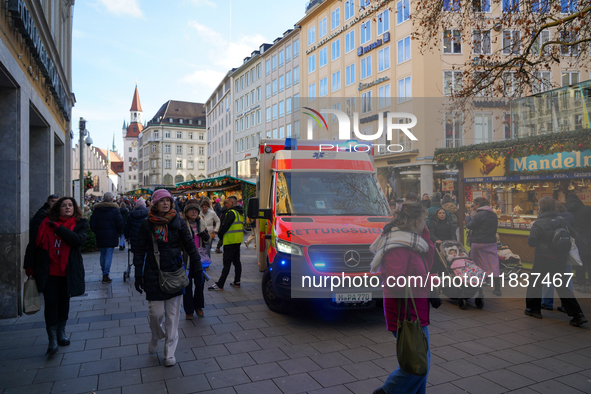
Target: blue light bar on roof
x=291, y=144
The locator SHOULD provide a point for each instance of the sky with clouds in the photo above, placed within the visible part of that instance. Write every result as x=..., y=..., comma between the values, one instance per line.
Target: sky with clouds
x=175, y=50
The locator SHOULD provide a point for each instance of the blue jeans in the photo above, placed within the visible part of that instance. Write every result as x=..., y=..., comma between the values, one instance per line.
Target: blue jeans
x=403, y=383
x=106, y=259
x=548, y=290
x=122, y=240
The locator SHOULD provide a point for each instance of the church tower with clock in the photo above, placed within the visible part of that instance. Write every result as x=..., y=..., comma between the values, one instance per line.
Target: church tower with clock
x=131, y=134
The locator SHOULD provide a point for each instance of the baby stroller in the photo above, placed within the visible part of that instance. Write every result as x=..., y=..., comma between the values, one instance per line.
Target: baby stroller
x=509, y=262
x=457, y=263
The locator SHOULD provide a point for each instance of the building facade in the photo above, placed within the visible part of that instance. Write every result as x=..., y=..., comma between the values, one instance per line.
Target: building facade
x=248, y=104
x=172, y=146
x=359, y=57
x=131, y=135
x=106, y=168
x=220, y=136
x=35, y=108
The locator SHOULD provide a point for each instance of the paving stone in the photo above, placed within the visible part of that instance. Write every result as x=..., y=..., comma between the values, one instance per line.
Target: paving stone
x=118, y=352
x=462, y=368
x=266, y=386
x=197, y=367
x=86, y=384
x=153, y=387
x=101, y=343
x=330, y=360
x=98, y=367
x=189, y=384
x=552, y=387
x=299, y=365
x=296, y=384
x=446, y=388
x=210, y=351
x=235, y=361
x=360, y=354
x=449, y=353
x=534, y=372
x=508, y=379
x=364, y=386
x=13, y=379
x=41, y=388
x=153, y=374
x=268, y=355
x=487, y=361
x=577, y=381
x=38, y=362
x=365, y=370
x=248, y=334
x=480, y=385
x=512, y=356
x=230, y=377
x=218, y=338
x=439, y=375
x=57, y=373
x=226, y=328
x=242, y=346
x=555, y=364
x=332, y=376
x=119, y=379
x=264, y=371
x=141, y=361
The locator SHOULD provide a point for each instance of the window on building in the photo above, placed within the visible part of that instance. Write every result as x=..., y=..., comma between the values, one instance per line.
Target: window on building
x=451, y=5
x=281, y=83
x=296, y=102
x=156, y=134
x=336, y=81
x=259, y=93
x=335, y=18
x=483, y=83
x=201, y=150
x=366, y=102
x=312, y=91
x=322, y=58
x=452, y=41
x=274, y=62
x=280, y=58
x=274, y=111
x=336, y=49
x=511, y=42
x=350, y=75
x=130, y=149
x=281, y=109
x=268, y=89
x=166, y=133
x=366, y=67
x=166, y=148
x=350, y=41
x=483, y=127
x=311, y=35
x=452, y=82
x=383, y=19
x=453, y=129
x=201, y=137
x=384, y=59
x=288, y=106
x=311, y=63
x=288, y=79
x=569, y=37
x=509, y=83
x=153, y=148
x=349, y=9
x=268, y=67
x=190, y=164
x=287, y=53
x=296, y=48
x=481, y=5
x=179, y=163
x=190, y=135
x=296, y=75
x=282, y=132
x=510, y=6
x=268, y=114
x=322, y=28
x=259, y=116
x=274, y=87
x=481, y=44
x=365, y=32
x=570, y=78
x=541, y=82
x=323, y=87
x=288, y=131
x=404, y=50
x=167, y=163
x=404, y=89
x=258, y=70
x=384, y=96
x=402, y=11
x=542, y=38
x=179, y=149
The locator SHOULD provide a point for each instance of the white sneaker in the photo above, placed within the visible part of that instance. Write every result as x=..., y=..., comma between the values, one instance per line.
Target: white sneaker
x=215, y=287
x=153, y=346
x=170, y=361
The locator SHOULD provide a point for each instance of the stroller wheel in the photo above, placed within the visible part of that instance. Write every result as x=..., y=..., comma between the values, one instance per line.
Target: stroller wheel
x=479, y=303
x=462, y=303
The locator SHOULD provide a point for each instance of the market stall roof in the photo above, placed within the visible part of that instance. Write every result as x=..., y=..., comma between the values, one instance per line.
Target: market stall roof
x=212, y=184
x=140, y=191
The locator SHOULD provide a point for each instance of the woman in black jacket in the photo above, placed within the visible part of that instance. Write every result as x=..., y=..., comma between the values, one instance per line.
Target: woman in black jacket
x=549, y=264
x=169, y=230
x=441, y=230
x=57, y=266
x=484, y=240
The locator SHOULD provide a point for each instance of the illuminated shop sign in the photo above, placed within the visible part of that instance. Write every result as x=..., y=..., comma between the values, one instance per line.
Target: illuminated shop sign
x=362, y=50
x=26, y=26
x=556, y=161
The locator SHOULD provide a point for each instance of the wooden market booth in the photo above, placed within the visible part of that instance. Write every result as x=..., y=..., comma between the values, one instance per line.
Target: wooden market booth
x=220, y=187
x=514, y=174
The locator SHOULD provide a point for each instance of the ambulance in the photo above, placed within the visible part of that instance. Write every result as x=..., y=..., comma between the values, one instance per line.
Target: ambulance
x=319, y=207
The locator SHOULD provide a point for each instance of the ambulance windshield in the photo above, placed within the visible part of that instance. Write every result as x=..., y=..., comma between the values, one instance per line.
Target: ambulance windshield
x=329, y=193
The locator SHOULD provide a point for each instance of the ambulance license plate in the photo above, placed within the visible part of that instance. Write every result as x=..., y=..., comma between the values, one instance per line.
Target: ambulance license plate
x=351, y=297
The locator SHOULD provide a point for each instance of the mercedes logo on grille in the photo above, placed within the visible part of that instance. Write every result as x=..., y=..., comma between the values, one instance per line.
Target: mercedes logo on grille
x=352, y=258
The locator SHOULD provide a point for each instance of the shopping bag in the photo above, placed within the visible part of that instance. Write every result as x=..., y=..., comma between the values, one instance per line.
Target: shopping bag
x=574, y=258
x=31, y=298
x=411, y=343
x=205, y=259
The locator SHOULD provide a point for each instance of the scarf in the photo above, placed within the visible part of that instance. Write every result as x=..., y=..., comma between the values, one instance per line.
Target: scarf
x=395, y=239
x=161, y=224
x=59, y=251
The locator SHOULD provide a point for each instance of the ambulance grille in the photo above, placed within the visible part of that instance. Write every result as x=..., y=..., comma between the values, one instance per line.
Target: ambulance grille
x=333, y=258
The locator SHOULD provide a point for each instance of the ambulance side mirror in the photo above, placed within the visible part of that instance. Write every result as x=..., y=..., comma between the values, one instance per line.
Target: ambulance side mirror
x=254, y=212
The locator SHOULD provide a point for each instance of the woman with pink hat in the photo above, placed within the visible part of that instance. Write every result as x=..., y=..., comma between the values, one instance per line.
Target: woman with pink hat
x=166, y=230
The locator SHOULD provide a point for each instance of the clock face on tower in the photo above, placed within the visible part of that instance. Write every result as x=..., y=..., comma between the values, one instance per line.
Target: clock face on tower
x=134, y=144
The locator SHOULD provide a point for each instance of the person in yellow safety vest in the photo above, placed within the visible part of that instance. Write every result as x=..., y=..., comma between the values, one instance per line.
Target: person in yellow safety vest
x=231, y=232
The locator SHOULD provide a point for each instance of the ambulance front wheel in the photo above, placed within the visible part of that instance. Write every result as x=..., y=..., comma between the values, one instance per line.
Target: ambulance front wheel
x=274, y=303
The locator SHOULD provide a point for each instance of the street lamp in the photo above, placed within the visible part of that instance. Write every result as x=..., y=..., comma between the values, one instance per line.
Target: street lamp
x=88, y=141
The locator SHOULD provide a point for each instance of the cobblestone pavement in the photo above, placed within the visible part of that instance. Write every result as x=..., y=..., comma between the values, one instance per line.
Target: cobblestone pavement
x=242, y=347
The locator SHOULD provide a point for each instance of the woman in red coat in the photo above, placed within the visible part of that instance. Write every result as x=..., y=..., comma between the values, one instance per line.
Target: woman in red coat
x=405, y=249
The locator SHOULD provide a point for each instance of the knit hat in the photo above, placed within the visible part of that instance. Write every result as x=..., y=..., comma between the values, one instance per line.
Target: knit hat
x=436, y=199
x=446, y=199
x=160, y=194
x=140, y=202
x=217, y=200
x=193, y=204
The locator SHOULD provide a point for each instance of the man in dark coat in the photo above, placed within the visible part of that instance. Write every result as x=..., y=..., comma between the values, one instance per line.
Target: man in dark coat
x=34, y=224
x=425, y=201
x=134, y=222
x=106, y=223
x=435, y=206
x=582, y=214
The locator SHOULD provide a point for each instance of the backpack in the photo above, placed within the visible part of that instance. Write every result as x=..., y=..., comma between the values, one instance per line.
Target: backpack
x=561, y=242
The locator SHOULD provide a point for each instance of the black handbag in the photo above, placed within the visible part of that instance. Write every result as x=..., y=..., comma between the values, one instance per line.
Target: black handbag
x=411, y=343
x=170, y=282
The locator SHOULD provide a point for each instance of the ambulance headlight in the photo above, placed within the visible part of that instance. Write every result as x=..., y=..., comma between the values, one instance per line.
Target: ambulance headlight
x=288, y=247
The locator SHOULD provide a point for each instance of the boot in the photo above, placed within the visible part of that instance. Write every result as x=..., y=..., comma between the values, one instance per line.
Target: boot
x=497, y=289
x=52, y=336
x=62, y=339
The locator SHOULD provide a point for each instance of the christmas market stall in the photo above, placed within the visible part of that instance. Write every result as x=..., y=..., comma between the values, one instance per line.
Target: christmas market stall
x=514, y=174
x=220, y=187
x=137, y=193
